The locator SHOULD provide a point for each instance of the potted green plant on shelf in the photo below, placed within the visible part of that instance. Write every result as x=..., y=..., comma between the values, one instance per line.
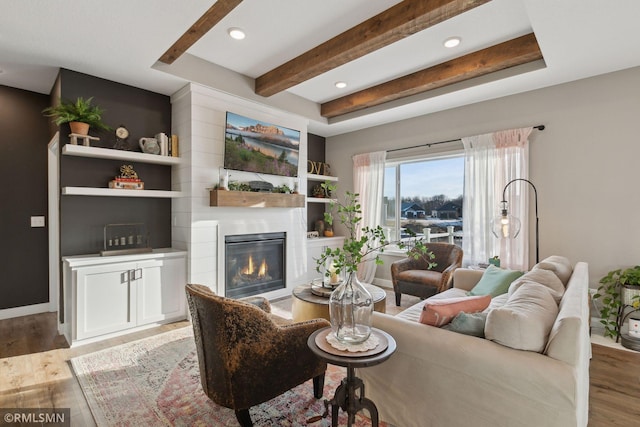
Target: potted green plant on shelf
x=80, y=115
x=350, y=304
x=618, y=289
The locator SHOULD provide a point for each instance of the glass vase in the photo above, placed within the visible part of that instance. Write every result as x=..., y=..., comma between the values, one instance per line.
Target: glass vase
x=350, y=311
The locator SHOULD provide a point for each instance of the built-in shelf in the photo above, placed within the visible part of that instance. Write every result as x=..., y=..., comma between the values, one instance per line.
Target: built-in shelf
x=315, y=177
x=247, y=199
x=114, y=192
x=108, y=153
x=320, y=200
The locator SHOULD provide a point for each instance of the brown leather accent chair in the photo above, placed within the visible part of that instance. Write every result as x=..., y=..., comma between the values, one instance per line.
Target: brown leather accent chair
x=411, y=276
x=247, y=355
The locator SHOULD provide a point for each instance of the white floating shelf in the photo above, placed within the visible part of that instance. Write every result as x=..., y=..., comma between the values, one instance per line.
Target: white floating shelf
x=108, y=153
x=320, y=200
x=316, y=177
x=92, y=191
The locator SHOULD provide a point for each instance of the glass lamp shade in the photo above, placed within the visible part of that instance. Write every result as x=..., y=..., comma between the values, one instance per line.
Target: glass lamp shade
x=350, y=311
x=505, y=226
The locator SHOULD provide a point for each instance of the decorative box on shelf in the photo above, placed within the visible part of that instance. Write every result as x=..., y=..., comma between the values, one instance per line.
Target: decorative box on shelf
x=126, y=184
x=121, y=239
x=127, y=180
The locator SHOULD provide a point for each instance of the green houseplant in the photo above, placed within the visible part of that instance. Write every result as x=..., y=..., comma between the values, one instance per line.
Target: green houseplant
x=617, y=289
x=350, y=304
x=80, y=111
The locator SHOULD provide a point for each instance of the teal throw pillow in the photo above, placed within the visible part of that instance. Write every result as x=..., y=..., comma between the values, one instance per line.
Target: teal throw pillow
x=468, y=324
x=495, y=281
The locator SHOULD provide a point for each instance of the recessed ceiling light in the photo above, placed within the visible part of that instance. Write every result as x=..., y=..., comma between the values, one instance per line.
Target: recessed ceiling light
x=236, y=33
x=341, y=85
x=452, y=42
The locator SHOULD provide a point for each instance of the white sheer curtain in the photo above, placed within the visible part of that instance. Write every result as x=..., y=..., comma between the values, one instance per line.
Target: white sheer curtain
x=491, y=161
x=368, y=179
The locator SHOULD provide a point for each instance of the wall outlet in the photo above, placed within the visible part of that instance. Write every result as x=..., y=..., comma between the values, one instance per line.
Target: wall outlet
x=37, y=221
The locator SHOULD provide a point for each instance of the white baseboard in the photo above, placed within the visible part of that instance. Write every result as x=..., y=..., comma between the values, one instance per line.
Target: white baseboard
x=27, y=310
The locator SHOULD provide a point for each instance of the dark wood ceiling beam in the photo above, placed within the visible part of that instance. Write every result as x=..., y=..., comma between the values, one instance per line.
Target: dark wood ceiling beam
x=514, y=52
x=211, y=17
x=400, y=21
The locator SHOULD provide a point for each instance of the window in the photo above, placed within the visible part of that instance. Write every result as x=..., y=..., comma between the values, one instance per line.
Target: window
x=425, y=196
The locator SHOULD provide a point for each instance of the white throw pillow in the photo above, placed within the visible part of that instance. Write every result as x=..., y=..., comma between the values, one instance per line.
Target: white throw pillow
x=544, y=277
x=524, y=322
x=560, y=265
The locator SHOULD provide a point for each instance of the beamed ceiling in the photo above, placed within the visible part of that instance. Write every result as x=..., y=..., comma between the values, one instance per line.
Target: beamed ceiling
x=389, y=26
x=389, y=52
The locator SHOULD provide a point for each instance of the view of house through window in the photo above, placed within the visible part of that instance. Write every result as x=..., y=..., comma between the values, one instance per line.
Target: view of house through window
x=424, y=196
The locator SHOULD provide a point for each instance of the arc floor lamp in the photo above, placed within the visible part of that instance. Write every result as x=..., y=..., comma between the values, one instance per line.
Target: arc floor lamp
x=508, y=226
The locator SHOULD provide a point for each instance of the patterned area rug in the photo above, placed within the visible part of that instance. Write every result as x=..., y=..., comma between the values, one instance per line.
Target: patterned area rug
x=156, y=382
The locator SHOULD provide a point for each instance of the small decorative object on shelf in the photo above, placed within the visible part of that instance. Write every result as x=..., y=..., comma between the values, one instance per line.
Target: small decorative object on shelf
x=149, y=145
x=263, y=186
x=122, y=239
x=174, y=149
x=319, y=168
x=320, y=191
x=128, y=179
x=495, y=261
x=86, y=139
x=80, y=115
x=350, y=304
x=163, y=142
x=223, y=177
x=122, y=138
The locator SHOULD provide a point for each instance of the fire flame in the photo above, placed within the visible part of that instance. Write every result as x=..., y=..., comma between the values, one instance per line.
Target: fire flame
x=250, y=268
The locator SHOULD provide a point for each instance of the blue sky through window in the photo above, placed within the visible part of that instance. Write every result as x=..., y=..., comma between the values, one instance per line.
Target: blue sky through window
x=429, y=178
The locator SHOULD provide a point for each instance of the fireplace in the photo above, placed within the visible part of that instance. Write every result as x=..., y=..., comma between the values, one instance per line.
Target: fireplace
x=254, y=263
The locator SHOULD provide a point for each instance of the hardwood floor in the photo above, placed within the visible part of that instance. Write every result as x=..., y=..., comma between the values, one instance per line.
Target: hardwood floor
x=34, y=365
x=35, y=370
x=615, y=387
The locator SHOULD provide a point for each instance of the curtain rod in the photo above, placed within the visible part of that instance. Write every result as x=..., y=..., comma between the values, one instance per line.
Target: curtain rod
x=538, y=127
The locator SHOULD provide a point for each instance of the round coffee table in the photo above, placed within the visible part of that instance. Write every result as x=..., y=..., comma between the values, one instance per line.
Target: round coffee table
x=346, y=396
x=307, y=306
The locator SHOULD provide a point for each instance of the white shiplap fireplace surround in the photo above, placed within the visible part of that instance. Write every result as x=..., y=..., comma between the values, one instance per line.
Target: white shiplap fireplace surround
x=198, y=118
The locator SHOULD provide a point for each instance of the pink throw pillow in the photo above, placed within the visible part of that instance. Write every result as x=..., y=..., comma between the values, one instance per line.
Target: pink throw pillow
x=439, y=312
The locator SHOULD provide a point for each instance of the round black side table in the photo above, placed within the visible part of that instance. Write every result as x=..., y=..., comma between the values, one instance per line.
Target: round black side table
x=345, y=397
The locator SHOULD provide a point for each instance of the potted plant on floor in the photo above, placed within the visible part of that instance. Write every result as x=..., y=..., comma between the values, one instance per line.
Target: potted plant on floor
x=350, y=304
x=618, y=289
x=80, y=115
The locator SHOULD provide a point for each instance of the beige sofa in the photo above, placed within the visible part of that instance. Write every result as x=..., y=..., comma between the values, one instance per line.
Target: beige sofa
x=442, y=378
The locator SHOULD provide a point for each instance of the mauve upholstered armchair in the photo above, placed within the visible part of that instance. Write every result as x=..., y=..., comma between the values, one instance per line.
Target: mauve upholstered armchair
x=248, y=355
x=411, y=276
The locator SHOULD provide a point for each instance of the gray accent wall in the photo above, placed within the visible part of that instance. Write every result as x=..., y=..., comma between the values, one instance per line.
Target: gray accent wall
x=24, y=134
x=82, y=218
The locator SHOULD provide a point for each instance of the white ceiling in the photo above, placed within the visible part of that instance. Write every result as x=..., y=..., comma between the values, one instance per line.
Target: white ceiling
x=121, y=40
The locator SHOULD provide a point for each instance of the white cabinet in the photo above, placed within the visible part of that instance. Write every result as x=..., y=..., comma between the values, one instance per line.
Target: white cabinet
x=109, y=295
x=106, y=300
x=158, y=296
x=315, y=248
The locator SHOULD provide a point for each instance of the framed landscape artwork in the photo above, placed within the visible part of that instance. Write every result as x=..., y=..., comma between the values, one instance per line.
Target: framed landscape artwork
x=255, y=146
